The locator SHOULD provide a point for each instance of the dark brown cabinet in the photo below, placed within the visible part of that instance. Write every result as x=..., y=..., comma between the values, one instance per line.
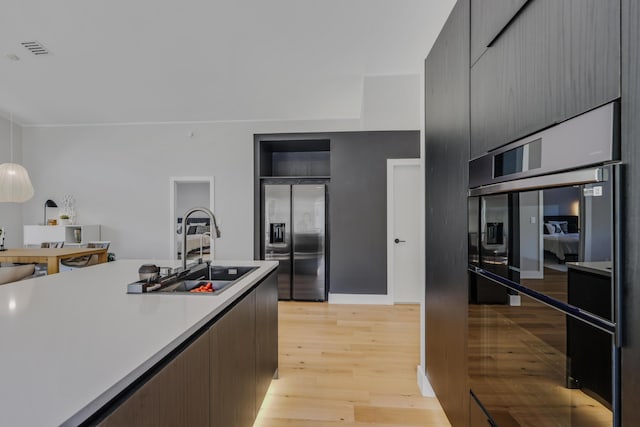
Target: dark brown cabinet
x=178, y=395
x=244, y=356
x=219, y=379
x=233, y=366
x=555, y=60
x=266, y=336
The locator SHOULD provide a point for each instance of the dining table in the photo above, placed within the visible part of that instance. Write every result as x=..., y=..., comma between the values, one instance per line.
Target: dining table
x=50, y=256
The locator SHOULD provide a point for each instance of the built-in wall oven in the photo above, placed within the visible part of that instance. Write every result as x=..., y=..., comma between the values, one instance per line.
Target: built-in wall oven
x=543, y=277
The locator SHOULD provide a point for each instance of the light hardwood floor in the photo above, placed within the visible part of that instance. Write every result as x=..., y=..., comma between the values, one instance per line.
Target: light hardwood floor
x=348, y=365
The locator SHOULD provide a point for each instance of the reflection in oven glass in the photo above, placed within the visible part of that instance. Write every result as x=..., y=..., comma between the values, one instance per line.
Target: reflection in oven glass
x=520, y=366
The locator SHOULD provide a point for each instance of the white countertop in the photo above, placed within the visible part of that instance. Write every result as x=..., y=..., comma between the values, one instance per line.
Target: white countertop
x=72, y=341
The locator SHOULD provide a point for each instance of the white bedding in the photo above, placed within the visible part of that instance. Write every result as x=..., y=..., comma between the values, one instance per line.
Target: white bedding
x=562, y=244
x=193, y=242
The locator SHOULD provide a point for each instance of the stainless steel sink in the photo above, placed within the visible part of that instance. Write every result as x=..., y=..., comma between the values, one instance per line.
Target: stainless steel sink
x=187, y=286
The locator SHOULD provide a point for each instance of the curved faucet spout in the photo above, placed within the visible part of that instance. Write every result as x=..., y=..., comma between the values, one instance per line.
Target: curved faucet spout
x=185, y=217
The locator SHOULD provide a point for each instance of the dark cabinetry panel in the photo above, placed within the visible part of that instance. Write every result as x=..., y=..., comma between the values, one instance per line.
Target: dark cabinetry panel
x=488, y=19
x=630, y=115
x=178, y=395
x=557, y=59
x=233, y=366
x=446, y=155
x=266, y=336
x=220, y=378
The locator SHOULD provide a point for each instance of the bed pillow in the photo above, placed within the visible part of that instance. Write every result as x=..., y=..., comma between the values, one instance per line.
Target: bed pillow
x=561, y=227
x=549, y=228
x=202, y=229
x=193, y=229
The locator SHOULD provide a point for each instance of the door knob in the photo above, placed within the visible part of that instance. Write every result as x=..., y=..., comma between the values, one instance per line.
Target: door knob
x=399, y=241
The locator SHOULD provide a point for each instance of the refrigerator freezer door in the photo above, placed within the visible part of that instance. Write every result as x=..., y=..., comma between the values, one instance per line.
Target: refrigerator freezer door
x=277, y=233
x=308, y=242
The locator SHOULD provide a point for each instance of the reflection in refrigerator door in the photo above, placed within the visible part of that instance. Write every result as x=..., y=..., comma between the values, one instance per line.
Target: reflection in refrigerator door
x=277, y=238
x=308, y=242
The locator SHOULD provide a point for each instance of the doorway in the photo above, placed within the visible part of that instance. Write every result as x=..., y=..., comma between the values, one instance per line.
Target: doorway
x=184, y=194
x=404, y=265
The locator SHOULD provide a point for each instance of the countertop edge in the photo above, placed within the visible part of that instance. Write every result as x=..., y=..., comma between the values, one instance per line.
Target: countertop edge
x=600, y=268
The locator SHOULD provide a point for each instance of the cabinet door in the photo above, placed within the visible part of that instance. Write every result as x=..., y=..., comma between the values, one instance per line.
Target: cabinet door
x=178, y=395
x=233, y=369
x=34, y=235
x=488, y=19
x=266, y=336
x=557, y=59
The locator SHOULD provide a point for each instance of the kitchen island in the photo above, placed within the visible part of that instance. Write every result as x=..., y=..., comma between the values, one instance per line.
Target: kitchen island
x=76, y=348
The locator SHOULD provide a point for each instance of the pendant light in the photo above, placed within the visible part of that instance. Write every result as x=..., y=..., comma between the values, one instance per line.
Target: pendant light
x=15, y=185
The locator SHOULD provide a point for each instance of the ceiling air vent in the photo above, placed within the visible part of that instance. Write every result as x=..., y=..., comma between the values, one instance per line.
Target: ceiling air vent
x=36, y=48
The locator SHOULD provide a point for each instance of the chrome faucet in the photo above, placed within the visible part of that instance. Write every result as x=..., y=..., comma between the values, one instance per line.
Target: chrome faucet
x=185, y=218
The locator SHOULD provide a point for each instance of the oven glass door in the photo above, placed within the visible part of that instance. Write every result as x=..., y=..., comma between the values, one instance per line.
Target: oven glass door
x=542, y=305
x=533, y=366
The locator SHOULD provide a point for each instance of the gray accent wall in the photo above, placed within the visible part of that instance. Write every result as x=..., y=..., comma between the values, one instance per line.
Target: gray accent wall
x=358, y=207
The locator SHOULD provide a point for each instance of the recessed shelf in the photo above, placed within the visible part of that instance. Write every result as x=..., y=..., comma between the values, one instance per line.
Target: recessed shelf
x=296, y=177
x=294, y=159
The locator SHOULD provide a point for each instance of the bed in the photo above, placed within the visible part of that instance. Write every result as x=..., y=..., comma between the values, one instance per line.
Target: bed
x=561, y=236
x=198, y=235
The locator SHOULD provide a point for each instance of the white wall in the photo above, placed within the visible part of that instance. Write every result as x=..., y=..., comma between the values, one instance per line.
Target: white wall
x=119, y=176
x=11, y=213
x=531, y=256
x=391, y=102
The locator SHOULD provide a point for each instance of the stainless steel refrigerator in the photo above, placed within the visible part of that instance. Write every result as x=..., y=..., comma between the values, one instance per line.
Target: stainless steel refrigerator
x=294, y=233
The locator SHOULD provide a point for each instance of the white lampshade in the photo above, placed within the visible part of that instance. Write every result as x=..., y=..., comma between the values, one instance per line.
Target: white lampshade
x=15, y=185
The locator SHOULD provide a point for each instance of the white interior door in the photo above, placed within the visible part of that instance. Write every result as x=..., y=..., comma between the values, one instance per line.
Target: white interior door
x=185, y=193
x=403, y=230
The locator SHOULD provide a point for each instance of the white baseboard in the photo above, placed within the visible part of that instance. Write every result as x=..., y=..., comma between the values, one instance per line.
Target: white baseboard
x=360, y=299
x=531, y=274
x=514, y=300
x=423, y=384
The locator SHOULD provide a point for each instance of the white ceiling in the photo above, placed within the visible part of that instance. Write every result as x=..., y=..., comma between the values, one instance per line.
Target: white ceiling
x=129, y=61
